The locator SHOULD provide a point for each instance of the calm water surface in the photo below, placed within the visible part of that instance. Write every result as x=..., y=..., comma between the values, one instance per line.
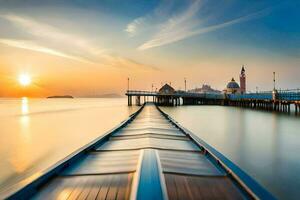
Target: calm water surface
x=266, y=145
x=37, y=133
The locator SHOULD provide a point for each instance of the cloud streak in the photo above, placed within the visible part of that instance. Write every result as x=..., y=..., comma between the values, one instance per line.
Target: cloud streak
x=126, y=63
x=175, y=28
x=132, y=27
x=144, y=23
x=184, y=26
x=75, y=48
x=43, y=30
x=29, y=45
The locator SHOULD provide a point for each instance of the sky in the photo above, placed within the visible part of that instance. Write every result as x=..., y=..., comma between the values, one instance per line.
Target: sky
x=91, y=47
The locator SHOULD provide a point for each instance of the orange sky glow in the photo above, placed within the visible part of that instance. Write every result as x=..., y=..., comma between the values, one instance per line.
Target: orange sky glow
x=85, y=52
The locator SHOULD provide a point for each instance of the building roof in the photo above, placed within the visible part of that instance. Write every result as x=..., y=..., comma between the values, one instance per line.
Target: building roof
x=166, y=89
x=232, y=84
x=243, y=69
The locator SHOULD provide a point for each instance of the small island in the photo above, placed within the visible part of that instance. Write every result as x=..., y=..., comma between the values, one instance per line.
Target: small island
x=61, y=96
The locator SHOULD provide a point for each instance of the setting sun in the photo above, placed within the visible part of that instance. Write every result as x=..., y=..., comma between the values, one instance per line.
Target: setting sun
x=24, y=79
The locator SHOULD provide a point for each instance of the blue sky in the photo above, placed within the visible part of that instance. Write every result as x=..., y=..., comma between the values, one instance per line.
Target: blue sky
x=152, y=41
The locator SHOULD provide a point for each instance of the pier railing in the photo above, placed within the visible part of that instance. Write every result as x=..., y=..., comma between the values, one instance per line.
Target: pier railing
x=289, y=95
x=251, y=96
x=282, y=95
x=141, y=93
x=277, y=100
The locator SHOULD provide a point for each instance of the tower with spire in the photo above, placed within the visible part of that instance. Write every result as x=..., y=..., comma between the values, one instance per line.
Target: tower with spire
x=243, y=80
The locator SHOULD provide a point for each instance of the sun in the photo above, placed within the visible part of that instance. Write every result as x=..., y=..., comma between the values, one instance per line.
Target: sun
x=24, y=79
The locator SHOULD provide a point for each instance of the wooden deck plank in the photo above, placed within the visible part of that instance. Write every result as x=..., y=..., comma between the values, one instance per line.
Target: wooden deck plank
x=150, y=135
x=76, y=192
x=129, y=185
x=87, y=187
x=162, y=122
x=58, y=188
x=124, y=189
x=113, y=188
x=188, y=163
x=148, y=130
x=171, y=187
x=137, y=128
x=95, y=188
x=104, y=188
x=105, y=162
x=151, y=121
x=192, y=196
x=149, y=143
x=202, y=187
x=181, y=189
x=148, y=124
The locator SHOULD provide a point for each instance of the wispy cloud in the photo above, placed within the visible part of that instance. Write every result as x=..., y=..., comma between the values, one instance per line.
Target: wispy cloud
x=43, y=30
x=144, y=23
x=186, y=25
x=29, y=45
x=132, y=27
x=126, y=63
x=175, y=28
x=54, y=41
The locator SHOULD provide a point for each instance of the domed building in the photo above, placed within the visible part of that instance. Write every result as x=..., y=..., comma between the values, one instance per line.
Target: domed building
x=232, y=87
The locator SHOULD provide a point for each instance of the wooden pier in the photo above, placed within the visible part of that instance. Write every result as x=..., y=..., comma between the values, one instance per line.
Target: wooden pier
x=149, y=156
x=279, y=101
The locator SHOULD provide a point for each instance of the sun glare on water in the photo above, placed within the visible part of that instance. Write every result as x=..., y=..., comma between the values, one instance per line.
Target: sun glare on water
x=24, y=79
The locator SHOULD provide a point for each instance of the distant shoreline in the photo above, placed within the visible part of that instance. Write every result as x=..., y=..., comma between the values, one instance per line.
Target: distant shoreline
x=86, y=96
x=61, y=96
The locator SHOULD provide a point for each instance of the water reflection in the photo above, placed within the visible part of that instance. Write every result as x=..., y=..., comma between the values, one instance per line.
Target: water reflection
x=24, y=106
x=24, y=119
x=21, y=157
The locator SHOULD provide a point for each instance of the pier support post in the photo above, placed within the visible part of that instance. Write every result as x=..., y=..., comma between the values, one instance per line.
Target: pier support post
x=138, y=100
x=297, y=108
x=129, y=100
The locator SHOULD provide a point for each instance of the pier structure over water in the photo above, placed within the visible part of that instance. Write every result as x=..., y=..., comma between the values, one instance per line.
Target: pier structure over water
x=276, y=100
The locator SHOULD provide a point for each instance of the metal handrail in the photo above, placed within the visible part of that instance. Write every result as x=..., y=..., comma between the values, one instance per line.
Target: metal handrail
x=139, y=92
x=285, y=95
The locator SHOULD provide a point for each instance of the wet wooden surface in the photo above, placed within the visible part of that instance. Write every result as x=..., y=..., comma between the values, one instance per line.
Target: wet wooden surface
x=197, y=187
x=150, y=135
x=87, y=187
x=189, y=163
x=104, y=163
x=142, y=143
